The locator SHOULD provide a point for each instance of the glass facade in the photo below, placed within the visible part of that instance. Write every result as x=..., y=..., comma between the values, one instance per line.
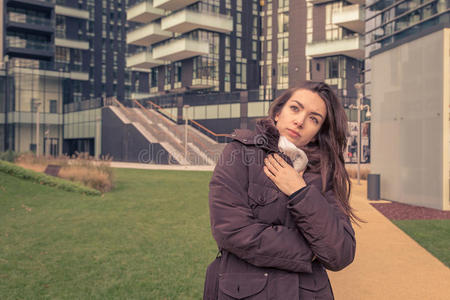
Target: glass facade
x=391, y=21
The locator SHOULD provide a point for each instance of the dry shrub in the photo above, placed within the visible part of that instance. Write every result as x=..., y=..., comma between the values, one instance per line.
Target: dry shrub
x=90, y=177
x=352, y=170
x=81, y=167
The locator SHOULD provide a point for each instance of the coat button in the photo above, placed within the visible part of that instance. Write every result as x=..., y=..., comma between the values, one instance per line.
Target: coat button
x=265, y=274
x=261, y=199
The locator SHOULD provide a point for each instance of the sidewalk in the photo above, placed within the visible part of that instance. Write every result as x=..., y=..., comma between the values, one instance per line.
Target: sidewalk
x=388, y=263
x=126, y=165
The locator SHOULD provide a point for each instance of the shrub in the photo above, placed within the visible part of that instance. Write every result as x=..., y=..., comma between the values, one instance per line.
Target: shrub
x=80, y=167
x=9, y=155
x=352, y=170
x=17, y=171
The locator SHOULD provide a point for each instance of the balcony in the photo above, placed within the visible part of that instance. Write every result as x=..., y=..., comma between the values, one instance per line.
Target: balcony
x=62, y=41
x=27, y=23
x=148, y=35
x=319, y=1
x=29, y=49
x=33, y=4
x=188, y=20
x=350, y=17
x=172, y=4
x=360, y=2
x=144, y=12
x=180, y=49
x=71, y=12
x=143, y=60
x=351, y=46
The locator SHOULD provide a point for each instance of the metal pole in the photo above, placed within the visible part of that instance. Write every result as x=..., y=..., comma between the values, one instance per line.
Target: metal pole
x=185, y=137
x=358, y=87
x=37, y=129
x=185, y=130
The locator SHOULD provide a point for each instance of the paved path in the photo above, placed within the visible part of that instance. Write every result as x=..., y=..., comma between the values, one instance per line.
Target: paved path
x=388, y=263
x=116, y=164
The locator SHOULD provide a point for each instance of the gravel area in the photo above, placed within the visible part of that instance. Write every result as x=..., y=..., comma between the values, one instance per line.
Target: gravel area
x=400, y=211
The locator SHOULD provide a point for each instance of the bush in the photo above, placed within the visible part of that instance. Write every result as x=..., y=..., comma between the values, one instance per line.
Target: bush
x=9, y=155
x=80, y=167
x=17, y=171
x=352, y=170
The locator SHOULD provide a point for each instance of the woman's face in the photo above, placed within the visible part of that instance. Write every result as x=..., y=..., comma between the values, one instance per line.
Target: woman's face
x=301, y=117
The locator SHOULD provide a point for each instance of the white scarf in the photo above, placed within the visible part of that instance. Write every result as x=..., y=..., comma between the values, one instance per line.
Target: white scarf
x=297, y=155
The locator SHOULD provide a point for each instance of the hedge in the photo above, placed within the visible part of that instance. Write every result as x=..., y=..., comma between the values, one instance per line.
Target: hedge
x=44, y=179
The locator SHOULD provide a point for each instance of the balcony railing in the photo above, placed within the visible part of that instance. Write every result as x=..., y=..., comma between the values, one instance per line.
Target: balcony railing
x=144, y=12
x=187, y=20
x=143, y=60
x=28, y=44
x=26, y=19
x=172, y=4
x=180, y=49
x=147, y=35
x=352, y=46
x=350, y=17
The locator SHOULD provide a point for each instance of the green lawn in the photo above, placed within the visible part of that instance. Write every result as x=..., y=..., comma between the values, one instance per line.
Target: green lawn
x=433, y=235
x=148, y=239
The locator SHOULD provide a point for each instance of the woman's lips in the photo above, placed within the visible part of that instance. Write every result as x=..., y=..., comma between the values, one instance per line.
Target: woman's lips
x=293, y=133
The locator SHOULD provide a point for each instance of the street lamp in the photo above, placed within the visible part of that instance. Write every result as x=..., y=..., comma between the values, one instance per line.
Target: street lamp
x=186, y=106
x=37, y=105
x=360, y=107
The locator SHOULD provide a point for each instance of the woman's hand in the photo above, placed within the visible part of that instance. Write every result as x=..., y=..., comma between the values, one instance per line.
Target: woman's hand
x=283, y=175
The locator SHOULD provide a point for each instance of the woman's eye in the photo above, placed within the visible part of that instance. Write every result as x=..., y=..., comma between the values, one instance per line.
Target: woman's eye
x=293, y=107
x=315, y=120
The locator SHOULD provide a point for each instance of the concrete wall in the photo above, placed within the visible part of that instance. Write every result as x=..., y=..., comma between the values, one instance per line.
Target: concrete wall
x=125, y=143
x=410, y=121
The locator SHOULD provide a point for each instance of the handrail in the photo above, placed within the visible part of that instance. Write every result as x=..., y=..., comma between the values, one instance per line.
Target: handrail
x=193, y=121
x=167, y=121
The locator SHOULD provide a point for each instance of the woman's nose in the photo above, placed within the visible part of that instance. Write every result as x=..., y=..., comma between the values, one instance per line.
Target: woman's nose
x=299, y=120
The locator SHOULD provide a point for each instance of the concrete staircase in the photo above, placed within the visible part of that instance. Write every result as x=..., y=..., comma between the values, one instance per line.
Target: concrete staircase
x=201, y=150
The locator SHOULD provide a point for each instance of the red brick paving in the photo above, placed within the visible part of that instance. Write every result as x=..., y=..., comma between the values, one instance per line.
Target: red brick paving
x=400, y=211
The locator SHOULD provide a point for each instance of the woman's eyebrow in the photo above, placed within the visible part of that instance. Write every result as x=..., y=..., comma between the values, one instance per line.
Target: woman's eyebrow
x=313, y=112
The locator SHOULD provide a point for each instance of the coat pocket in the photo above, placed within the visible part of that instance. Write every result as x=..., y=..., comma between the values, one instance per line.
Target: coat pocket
x=211, y=287
x=249, y=286
x=315, y=285
x=261, y=194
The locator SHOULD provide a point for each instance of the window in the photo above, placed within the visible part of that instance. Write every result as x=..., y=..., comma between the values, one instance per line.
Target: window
x=283, y=47
x=283, y=22
x=154, y=78
x=53, y=108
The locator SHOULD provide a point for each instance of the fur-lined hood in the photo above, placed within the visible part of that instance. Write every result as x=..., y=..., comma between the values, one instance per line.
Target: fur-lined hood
x=265, y=136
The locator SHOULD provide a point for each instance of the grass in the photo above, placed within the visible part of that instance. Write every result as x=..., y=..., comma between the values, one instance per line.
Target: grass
x=41, y=178
x=433, y=235
x=149, y=238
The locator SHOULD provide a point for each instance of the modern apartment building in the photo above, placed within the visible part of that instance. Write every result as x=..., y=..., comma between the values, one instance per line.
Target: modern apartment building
x=257, y=49
x=183, y=51
x=409, y=80
x=55, y=54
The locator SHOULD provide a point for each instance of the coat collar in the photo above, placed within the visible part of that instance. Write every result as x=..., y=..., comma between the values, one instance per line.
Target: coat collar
x=265, y=135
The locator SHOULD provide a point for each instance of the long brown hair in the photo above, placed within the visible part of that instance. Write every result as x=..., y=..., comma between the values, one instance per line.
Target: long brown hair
x=326, y=150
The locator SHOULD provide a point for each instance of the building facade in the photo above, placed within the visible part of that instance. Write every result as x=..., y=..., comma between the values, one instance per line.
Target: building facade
x=409, y=84
x=241, y=55
x=55, y=55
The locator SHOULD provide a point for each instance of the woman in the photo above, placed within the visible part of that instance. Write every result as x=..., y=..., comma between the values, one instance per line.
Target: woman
x=279, y=227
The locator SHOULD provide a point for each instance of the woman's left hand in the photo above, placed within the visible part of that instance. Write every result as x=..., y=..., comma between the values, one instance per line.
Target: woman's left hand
x=283, y=175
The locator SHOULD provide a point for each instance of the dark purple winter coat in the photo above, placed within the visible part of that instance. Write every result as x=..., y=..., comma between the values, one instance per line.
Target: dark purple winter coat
x=273, y=246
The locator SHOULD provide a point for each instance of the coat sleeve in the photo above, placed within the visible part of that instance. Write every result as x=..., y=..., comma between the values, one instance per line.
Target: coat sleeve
x=235, y=228
x=327, y=229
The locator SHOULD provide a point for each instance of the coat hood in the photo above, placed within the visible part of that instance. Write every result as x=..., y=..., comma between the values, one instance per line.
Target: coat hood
x=266, y=135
